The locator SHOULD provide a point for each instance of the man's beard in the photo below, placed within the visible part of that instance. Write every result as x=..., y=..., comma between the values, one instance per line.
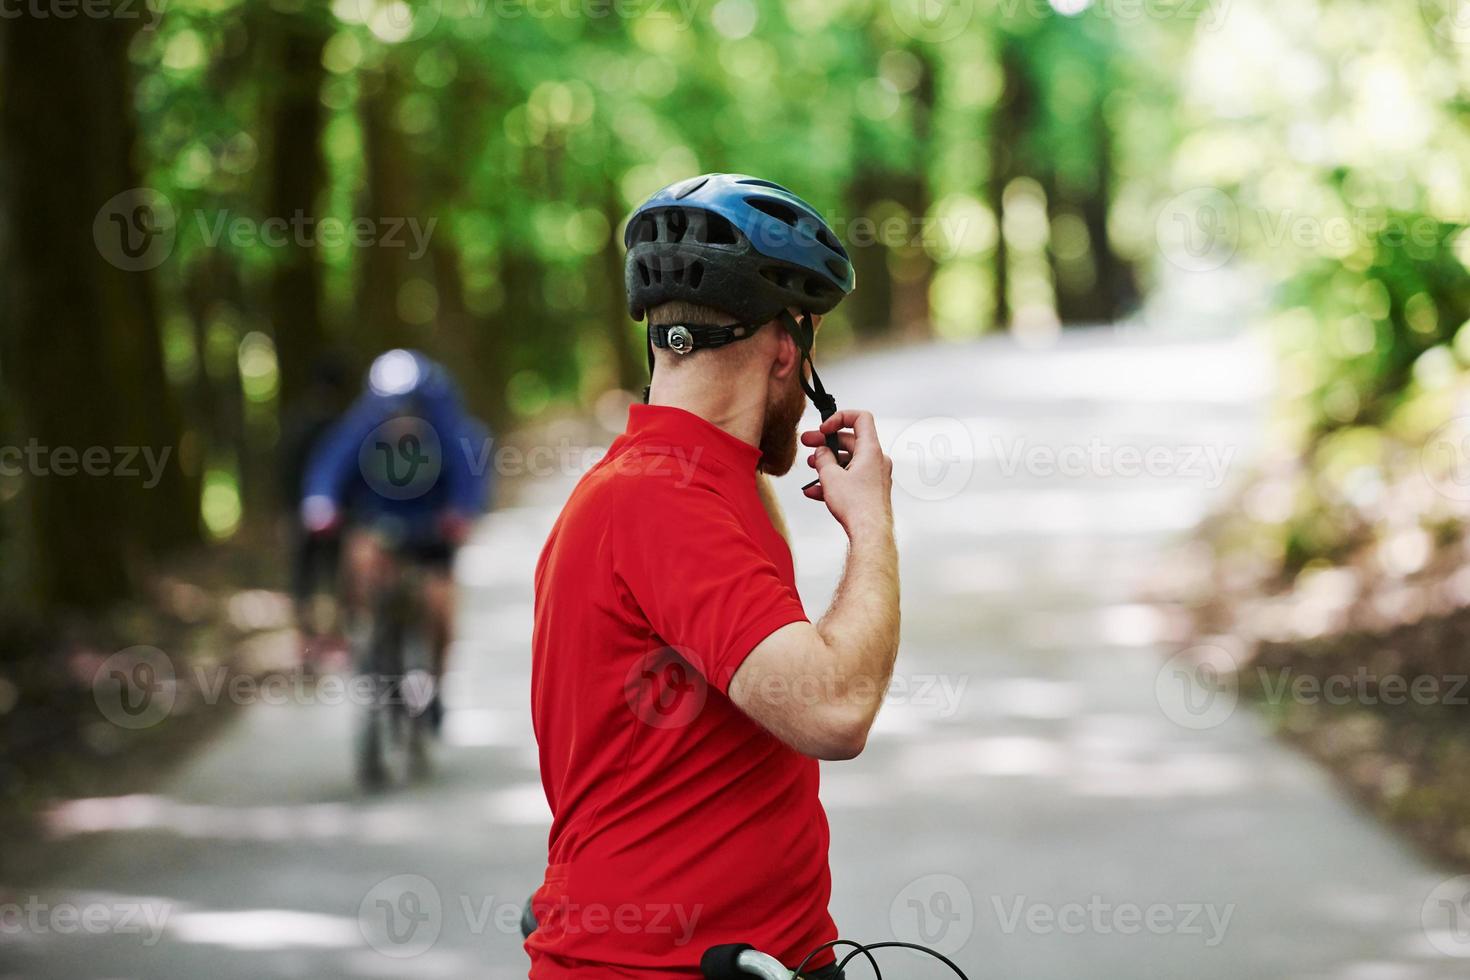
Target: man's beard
x=778, y=435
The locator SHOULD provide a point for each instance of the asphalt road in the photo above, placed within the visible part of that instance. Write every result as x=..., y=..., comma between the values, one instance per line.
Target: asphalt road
x=1040, y=798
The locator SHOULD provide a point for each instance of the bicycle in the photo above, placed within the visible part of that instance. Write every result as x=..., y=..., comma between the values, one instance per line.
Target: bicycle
x=741, y=961
x=395, y=730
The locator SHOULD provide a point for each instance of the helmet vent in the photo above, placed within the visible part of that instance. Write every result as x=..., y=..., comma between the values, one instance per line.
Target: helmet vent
x=690, y=187
x=775, y=209
x=836, y=268
x=643, y=273
x=756, y=181
x=713, y=229
x=696, y=274
x=828, y=239
x=645, y=230
x=677, y=220
x=781, y=277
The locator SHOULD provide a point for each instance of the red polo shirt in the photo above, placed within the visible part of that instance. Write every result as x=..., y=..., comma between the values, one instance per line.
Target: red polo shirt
x=678, y=822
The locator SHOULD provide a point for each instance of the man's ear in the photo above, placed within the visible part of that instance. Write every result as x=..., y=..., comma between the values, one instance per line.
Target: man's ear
x=788, y=355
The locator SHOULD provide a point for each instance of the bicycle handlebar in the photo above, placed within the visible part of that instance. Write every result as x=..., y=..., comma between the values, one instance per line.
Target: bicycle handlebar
x=740, y=961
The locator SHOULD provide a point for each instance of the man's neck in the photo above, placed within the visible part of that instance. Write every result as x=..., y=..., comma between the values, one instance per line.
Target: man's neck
x=739, y=413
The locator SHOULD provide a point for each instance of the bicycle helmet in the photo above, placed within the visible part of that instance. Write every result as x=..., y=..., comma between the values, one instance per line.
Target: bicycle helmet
x=407, y=375
x=741, y=245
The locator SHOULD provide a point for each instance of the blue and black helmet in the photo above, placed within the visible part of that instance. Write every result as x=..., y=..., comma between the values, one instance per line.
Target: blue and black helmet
x=745, y=247
x=734, y=243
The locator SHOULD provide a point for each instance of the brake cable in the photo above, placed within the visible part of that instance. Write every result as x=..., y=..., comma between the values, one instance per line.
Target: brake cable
x=866, y=950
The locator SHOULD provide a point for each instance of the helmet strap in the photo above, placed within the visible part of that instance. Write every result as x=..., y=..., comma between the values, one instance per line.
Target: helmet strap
x=686, y=338
x=802, y=332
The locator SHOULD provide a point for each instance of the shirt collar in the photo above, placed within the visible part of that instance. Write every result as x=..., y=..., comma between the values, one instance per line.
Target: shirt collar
x=663, y=427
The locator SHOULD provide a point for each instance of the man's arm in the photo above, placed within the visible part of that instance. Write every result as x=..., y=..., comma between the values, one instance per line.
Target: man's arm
x=818, y=687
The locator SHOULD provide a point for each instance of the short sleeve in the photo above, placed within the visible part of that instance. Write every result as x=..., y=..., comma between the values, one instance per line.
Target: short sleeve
x=701, y=579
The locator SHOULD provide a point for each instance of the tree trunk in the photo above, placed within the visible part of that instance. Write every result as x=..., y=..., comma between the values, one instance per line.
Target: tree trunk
x=60, y=342
x=631, y=364
x=915, y=268
x=380, y=270
x=871, y=306
x=1008, y=128
x=297, y=175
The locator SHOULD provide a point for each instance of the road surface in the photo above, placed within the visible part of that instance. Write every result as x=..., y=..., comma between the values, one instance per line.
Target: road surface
x=1034, y=800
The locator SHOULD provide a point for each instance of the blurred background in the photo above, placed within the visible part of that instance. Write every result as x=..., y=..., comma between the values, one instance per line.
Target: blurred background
x=1160, y=305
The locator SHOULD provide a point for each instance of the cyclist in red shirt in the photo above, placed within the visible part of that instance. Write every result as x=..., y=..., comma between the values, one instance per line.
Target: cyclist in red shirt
x=681, y=696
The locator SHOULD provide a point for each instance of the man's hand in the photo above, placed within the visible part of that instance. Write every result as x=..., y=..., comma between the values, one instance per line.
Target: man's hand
x=860, y=496
x=320, y=516
x=818, y=687
x=454, y=527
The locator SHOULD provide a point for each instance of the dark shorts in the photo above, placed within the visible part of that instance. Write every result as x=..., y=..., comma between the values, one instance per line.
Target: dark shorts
x=435, y=554
x=415, y=541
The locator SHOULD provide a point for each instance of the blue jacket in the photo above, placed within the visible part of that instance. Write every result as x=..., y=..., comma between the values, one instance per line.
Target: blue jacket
x=407, y=460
